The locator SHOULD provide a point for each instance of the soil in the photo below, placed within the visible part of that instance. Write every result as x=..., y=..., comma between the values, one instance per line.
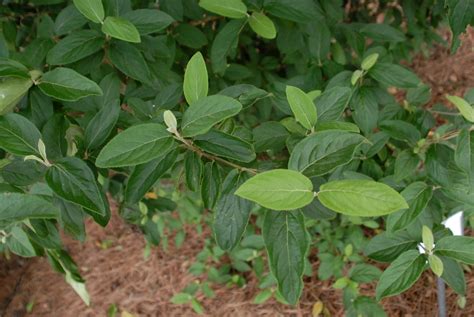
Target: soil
x=120, y=275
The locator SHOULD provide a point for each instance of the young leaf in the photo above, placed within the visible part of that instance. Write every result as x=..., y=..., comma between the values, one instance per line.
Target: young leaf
x=459, y=248
x=206, y=112
x=466, y=110
x=369, y=61
x=68, y=85
x=144, y=176
x=196, y=83
x=75, y=47
x=71, y=179
x=427, y=237
x=287, y=244
x=136, y=145
x=302, y=107
x=91, y=9
x=121, y=29
x=278, y=190
x=225, y=145
x=401, y=274
x=231, y=213
x=18, y=135
x=262, y=25
x=15, y=207
x=235, y=9
x=323, y=151
x=360, y=197
x=436, y=264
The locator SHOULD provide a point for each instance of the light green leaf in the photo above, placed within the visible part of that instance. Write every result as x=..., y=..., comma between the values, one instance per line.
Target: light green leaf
x=369, y=61
x=121, y=29
x=302, y=107
x=91, y=9
x=427, y=237
x=360, y=197
x=436, y=265
x=196, y=82
x=401, y=274
x=459, y=248
x=287, y=245
x=15, y=207
x=68, y=85
x=262, y=25
x=235, y=9
x=278, y=189
x=466, y=110
x=136, y=145
x=323, y=151
x=202, y=115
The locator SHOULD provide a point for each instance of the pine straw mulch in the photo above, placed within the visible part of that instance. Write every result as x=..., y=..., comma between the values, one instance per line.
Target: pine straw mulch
x=120, y=275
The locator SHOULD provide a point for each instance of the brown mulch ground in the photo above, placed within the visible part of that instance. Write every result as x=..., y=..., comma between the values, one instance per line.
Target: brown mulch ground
x=120, y=275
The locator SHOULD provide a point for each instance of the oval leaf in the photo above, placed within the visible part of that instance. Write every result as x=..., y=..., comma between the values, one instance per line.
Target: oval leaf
x=15, y=207
x=18, y=135
x=68, y=85
x=302, y=107
x=75, y=47
x=262, y=25
x=235, y=9
x=137, y=145
x=121, y=29
x=196, y=83
x=91, y=9
x=360, y=197
x=205, y=113
x=278, y=190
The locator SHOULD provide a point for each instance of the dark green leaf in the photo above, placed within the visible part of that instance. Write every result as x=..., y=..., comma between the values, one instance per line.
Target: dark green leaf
x=15, y=207
x=22, y=173
x=401, y=274
x=193, y=166
x=129, y=60
x=11, y=68
x=148, y=20
x=417, y=195
x=206, y=112
x=331, y=103
x=394, y=75
x=71, y=219
x=287, y=245
x=136, y=145
x=144, y=176
x=401, y=130
x=75, y=47
x=69, y=19
x=298, y=11
x=231, y=213
x=270, y=135
x=18, y=135
x=382, y=32
x=71, y=179
x=386, y=246
x=12, y=90
x=210, y=186
x=459, y=248
x=225, y=145
x=323, y=151
x=101, y=125
x=364, y=273
x=68, y=85
x=453, y=275
x=19, y=243
x=224, y=43
x=405, y=164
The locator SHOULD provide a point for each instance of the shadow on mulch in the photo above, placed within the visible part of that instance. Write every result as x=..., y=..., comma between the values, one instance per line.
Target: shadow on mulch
x=120, y=275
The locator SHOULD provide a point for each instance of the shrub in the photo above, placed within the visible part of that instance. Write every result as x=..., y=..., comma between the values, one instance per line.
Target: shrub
x=273, y=110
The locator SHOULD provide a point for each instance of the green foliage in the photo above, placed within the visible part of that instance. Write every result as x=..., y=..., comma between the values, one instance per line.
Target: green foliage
x=270, y=121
